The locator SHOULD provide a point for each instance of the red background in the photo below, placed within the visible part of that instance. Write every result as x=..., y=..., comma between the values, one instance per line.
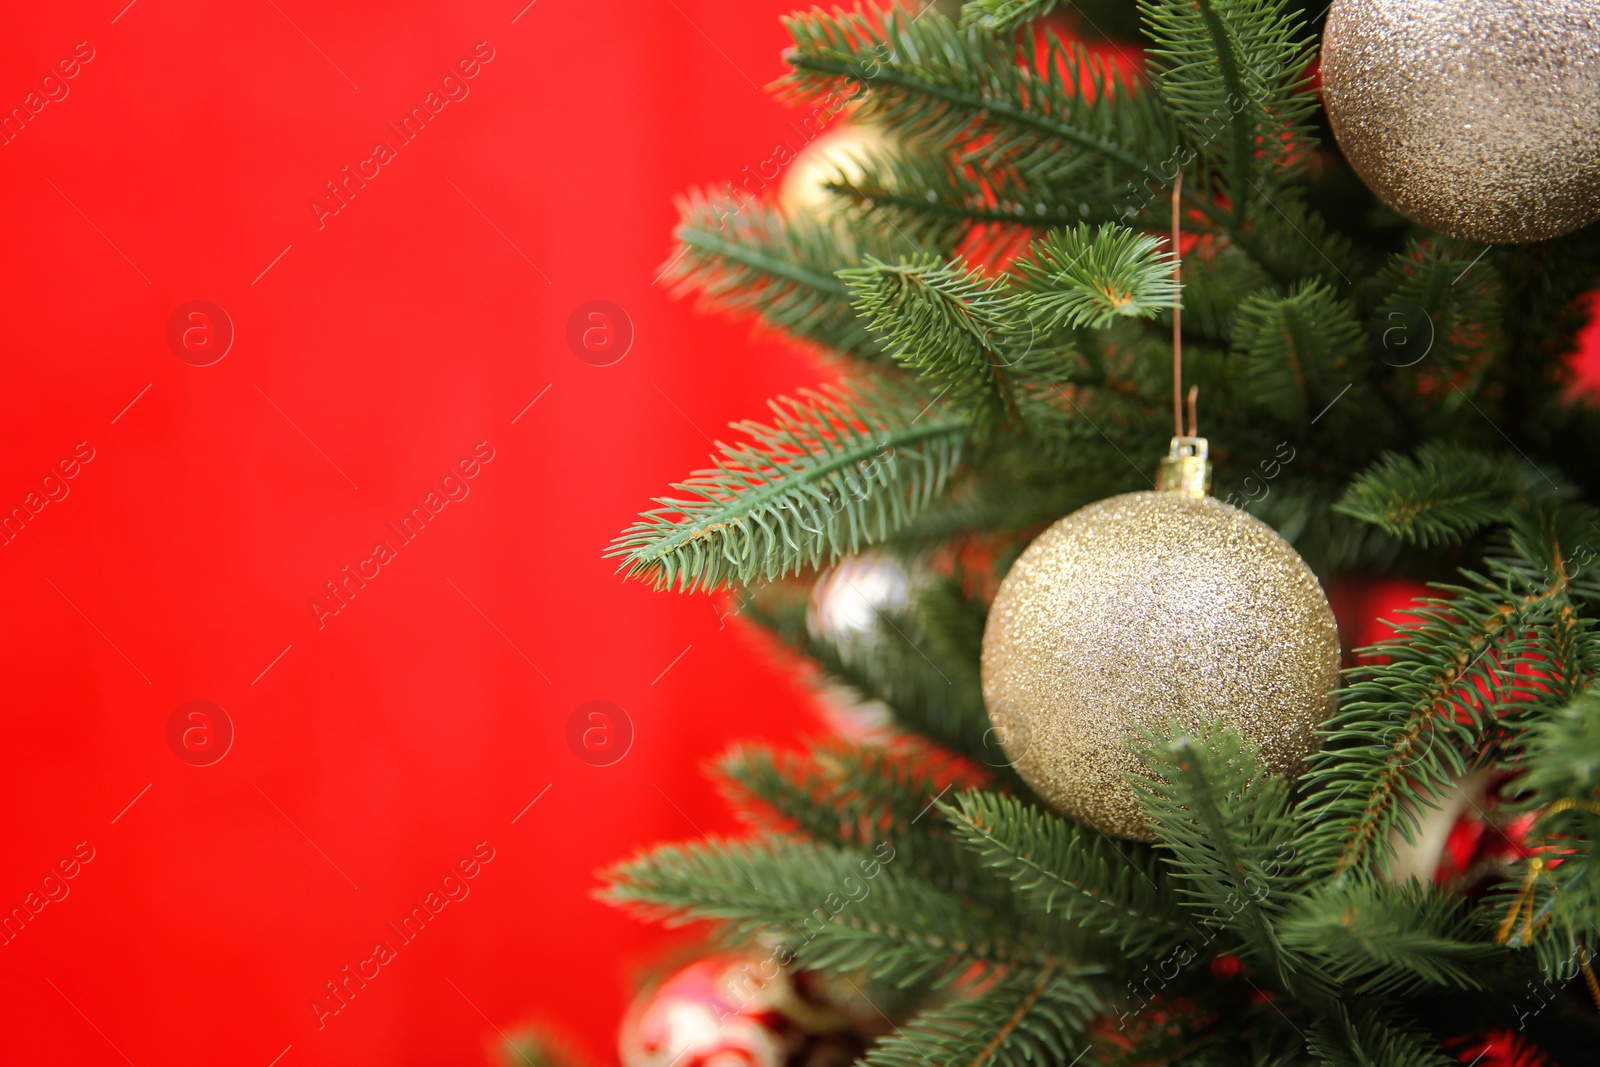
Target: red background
x=393, y=340
x=371, y=354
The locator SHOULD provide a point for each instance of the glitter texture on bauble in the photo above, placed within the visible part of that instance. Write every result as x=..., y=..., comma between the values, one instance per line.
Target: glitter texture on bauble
x=1143, y=610
x=1476, y=118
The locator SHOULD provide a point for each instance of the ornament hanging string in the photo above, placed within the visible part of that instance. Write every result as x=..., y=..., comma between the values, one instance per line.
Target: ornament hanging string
x=1185, y=469
x=1177, y=315
x=1177, y=323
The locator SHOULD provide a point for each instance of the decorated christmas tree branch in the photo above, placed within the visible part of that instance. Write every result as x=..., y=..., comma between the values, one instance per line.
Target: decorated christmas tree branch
x=1239, y=62
x=1389, y=400
x=1225, y=833
x=1432, y=700
x=1043, y=125
x=1116, y=890
x=1021, y=1020
x=834, y=472
x=832, y=908
x=744, y=257
x=1377, y=939
x=1445, y=494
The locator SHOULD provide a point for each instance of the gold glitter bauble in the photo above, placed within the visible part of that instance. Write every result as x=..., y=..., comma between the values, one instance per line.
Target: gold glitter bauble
x=1477, y=118
x=837, y=153
x=1141, y=610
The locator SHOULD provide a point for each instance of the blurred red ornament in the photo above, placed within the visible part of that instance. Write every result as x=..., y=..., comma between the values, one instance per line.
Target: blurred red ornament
x=743, y=1012
x=1368, y=609
x=1583, y=364
x=1482, y=844
x=1226, y=966
x=1498, y=1048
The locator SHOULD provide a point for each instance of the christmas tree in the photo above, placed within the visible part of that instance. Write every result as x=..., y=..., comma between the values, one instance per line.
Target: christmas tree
x=993, y=285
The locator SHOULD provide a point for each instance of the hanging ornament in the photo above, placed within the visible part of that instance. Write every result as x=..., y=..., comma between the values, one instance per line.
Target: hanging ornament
x=1477, y=118
x=835, y=153
x=735, y=1012
x=1150, y=608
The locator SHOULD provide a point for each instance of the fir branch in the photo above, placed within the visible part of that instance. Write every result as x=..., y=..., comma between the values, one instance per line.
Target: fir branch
x=1117, y=890
x=1024, y=1019
x=861, y=796
x=1556, y=906
x=1013, y=486
x=1445, y=494
x=1227, y=837
x=1379, y=939
x=938, y=200
x=1215, y=273
x=1239, y=66
x=839, y=792
x=1439, y=324
x=1548, y=541
x=1059, y=119
x=1049, y=110
x=940, y=640
x=1296, y=354
x=828, y=908
x=1289, y=239
x=1370, y=1040
x=743, y=256
x=921, y=663
x=923, y=195
x=1302, y=512
x=1564, y=765
x=964, y=333
x=1083, y=277
x=1002, y=16
x=1418, y=717
x=835, y=471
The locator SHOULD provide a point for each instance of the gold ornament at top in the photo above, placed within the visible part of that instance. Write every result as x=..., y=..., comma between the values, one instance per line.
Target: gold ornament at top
x=840, y=152
x=1477, y=118
x=1147, y=609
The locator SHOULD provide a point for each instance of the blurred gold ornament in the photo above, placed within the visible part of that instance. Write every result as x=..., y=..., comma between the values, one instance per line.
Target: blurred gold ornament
x=836, y=153
x=1149, y=608
x=1477, y=118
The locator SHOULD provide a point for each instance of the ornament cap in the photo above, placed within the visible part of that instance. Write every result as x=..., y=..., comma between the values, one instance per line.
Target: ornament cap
x=1186, y=469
